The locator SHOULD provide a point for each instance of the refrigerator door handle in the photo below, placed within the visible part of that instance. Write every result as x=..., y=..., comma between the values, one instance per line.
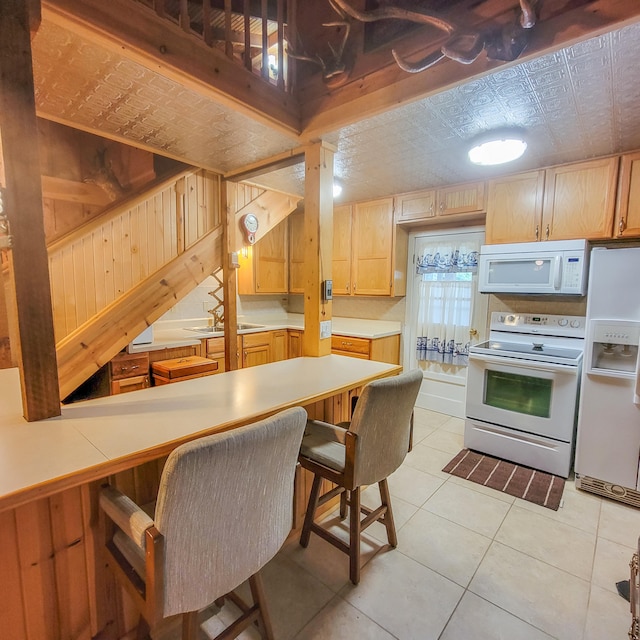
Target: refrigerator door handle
x=636, y=386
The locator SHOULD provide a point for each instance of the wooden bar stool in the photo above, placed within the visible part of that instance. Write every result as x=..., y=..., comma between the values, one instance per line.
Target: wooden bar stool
x=362, y=452
x=224, y=509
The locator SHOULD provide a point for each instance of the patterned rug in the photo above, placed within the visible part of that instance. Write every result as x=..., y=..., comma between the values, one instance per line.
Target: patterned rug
x=522, y=482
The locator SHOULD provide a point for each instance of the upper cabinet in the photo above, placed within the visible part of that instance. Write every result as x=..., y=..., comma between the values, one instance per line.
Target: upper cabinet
x=566, y=202
x=427, y=207
x=514, y=208
x=369, y=252
x=627, y=220
x=265, y=268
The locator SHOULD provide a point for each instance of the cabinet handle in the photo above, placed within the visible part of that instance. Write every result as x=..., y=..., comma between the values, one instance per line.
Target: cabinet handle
x=546, y=233
x=347, y=286
x=537, y=231
x=431, y=208
x=442, y=206
x=354, y=287
x=621, y=226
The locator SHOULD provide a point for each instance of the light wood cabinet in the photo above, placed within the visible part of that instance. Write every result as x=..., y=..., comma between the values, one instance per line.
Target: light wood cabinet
x=265, y=267
x=369, y=252
x=256, y=348
x=279, y=345
x=627, y=220
x=295, y=343
x=213, y=348
x=296, y=253
x=386, y=349
x=579, y=200
x=463, y=201
x=561, y=203
x=514, y=208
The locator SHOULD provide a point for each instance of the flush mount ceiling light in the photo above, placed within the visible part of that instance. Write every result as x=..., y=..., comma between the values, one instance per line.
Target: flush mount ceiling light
x=497, y=147
x=337, y=189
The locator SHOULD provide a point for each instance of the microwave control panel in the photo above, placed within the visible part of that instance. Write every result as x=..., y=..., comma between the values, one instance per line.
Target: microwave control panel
x=573, y=273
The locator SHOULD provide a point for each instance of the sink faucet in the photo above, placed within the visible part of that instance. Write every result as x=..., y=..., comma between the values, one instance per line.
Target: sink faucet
x=218, y=316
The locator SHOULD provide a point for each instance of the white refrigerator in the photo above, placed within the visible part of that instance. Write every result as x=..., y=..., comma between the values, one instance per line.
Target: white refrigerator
x=608, y=438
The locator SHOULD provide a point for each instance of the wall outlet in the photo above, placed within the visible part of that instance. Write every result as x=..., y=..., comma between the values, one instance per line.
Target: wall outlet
x=325, y=329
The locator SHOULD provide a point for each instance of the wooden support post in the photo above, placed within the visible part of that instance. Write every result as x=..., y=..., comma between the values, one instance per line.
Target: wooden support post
x=227, y=197
x=33, y=341
x=318, y=241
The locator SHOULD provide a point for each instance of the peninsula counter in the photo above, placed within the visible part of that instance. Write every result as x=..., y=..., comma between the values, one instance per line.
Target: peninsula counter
x=54, y=584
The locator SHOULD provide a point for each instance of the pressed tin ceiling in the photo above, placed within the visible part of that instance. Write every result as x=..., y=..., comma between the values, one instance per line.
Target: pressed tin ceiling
x=580, y=102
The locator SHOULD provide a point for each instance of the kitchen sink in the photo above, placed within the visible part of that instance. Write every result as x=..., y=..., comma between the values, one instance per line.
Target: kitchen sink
x=216, y=329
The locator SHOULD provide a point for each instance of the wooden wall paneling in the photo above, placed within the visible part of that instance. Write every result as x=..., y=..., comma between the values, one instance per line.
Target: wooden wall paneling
x=119, y=257
x=191, y=212
x=89, y=274
x=36, y=556
x=12, y=619
x=127, y=256
x=69, y=292
x=71, y=576
x=107, y=255
x=95, y=247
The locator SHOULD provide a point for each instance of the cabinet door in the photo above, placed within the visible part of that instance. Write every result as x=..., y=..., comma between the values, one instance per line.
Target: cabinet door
x=514, y=208
x=279, y=343
x=253, y=356
x=372, y=247
x=341, y=265
x=270, y=261
x=416, y=206
x=464, y=198
x=296, y=253
x=579, y=200
x=295, y=344
x=627, y=222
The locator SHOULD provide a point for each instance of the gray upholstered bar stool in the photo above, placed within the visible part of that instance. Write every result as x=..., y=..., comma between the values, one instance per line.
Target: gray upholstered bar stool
x=224, y=509
x=365, y=451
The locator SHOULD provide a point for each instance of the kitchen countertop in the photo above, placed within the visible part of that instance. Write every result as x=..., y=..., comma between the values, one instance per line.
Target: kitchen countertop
x=172, y=333
x=94, y=438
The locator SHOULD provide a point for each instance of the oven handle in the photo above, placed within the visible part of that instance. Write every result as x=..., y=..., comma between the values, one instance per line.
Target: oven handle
x=548, y=367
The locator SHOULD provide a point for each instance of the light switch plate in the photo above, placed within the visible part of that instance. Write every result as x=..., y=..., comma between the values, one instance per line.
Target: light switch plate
x=325, y=329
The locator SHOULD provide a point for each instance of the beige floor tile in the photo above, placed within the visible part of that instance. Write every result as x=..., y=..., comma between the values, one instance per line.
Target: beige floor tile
x=471, y=509
x=421, y=431
x=293, y=595
x=546, y=540
x=620, y=523
x=608, y=617
x=217, y=624
x=487, y=491
x=445, y=441
x=453, y=425
x=402, y=511
x=478, y=619
x=428, y=459
x=547, y=598
x=429, y=418
x=341, y=621
x=453, y=551
x=413, y=486
x=404, y=597
x=578, y=508
x=611, y=564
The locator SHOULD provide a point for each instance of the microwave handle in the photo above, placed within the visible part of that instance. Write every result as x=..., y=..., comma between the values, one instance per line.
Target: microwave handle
x=557, y=273
x=636, y=386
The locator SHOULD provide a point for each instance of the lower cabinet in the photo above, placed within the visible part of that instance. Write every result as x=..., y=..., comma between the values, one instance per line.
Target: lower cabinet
x=213, y=348
x=386, y=349
x=256, y=348
x=295, y=343
x=128, y=372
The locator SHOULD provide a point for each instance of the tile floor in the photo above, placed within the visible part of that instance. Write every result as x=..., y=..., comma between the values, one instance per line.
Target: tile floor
x=470, y=563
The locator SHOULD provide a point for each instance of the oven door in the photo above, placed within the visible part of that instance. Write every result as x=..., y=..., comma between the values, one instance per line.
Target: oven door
x=536, y=397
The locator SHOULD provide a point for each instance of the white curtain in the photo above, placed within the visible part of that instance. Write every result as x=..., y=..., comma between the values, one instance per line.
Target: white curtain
x=445, y=300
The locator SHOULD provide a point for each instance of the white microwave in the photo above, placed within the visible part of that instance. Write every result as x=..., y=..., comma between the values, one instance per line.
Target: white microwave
x=554, y=267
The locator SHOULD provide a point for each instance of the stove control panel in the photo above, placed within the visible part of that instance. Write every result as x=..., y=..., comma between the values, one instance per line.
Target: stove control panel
x=547, y=324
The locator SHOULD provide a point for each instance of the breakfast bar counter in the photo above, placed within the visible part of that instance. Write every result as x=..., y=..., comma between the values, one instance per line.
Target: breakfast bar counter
x=55, y=583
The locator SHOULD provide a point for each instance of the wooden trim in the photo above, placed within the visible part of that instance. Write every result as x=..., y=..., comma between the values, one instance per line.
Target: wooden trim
x=279, y=161
x=130, y=29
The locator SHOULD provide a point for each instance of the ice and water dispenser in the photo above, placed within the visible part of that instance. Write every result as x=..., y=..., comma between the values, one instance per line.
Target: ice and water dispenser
x=612, y=348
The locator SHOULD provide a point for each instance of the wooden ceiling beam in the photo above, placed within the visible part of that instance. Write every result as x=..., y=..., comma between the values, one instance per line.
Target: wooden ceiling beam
x=280, y=161
x=372, y=91
x=132, y=30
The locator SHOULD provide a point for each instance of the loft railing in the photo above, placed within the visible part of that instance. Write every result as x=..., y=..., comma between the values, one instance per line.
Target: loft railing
x=249, y=32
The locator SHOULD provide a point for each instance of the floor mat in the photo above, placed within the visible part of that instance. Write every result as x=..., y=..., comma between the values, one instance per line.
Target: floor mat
x=529, y=484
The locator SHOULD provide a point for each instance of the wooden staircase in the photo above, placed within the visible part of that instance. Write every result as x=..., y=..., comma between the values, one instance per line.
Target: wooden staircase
x=116, y=275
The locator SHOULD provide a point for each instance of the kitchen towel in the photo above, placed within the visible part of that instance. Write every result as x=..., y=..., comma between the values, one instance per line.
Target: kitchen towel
x=529, y=484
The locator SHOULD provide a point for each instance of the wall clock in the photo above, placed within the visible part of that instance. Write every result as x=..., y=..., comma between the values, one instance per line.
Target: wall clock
x=249, y=226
